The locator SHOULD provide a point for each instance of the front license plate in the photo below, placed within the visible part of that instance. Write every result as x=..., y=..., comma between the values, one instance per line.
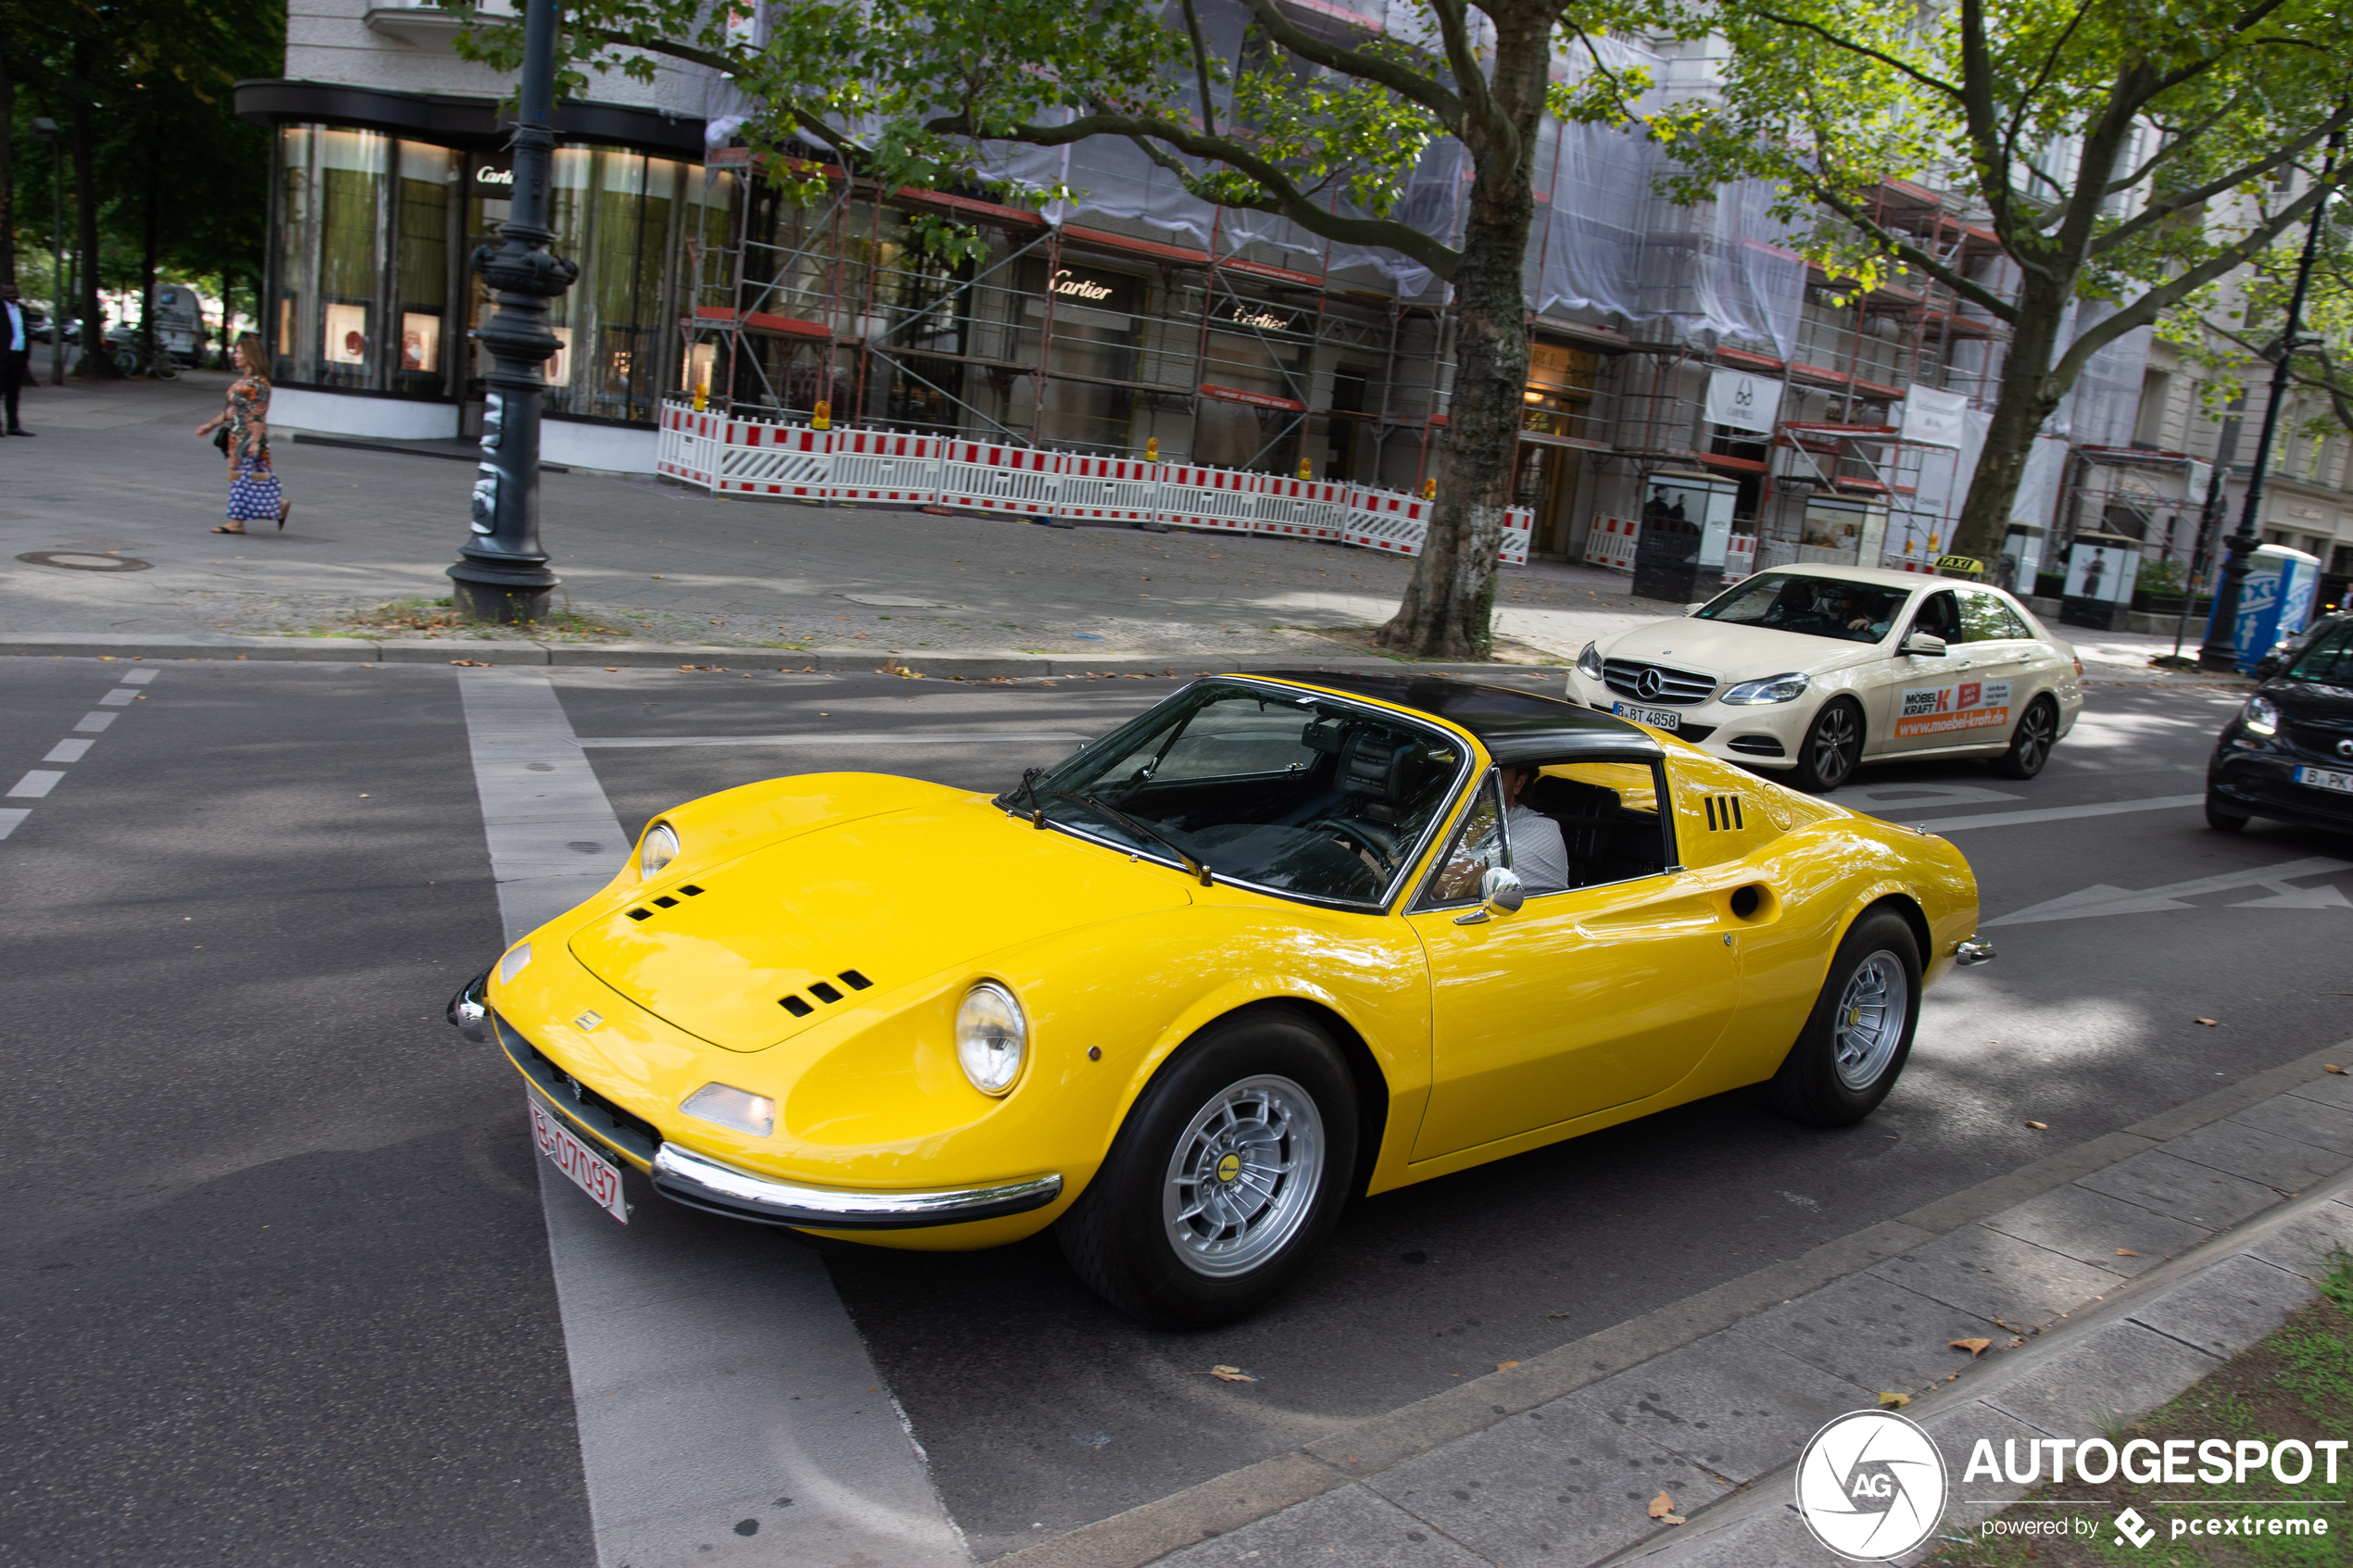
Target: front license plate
x=586, y=1169
x=2325, y=778
x=1656, y=717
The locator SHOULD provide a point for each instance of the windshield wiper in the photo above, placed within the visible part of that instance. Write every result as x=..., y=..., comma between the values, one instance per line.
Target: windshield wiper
x=1197, y=868
x=1028, y=786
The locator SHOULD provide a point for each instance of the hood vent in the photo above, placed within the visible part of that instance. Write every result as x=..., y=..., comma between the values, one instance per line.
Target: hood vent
x=825, y=991
x=665, y=902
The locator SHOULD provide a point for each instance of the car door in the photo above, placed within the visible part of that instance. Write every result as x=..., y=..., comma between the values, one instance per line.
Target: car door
x=1581, y=1000
x=2007, y=664
x=1915, y=710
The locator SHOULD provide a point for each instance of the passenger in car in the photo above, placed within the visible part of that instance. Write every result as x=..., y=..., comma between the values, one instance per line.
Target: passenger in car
x=1539, y=854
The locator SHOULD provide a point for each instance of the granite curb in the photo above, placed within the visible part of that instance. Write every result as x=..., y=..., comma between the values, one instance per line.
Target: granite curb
x=679, y=656
x=2004, y=1259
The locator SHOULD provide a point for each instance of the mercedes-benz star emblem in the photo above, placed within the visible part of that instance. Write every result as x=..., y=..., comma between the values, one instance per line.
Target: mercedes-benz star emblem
x=1648, y=682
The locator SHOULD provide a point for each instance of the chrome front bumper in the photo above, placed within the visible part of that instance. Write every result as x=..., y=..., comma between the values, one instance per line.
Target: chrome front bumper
x=1974, y=950
x=700, y=1182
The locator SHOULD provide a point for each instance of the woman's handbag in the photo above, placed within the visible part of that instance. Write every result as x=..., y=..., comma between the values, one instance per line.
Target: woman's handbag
x=220, y=440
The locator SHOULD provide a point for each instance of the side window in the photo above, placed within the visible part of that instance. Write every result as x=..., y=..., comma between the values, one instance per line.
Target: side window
x=1939, y=617
x=1609, y=816
x=1479, y=846
x=2329, y=661
x=1985, y=619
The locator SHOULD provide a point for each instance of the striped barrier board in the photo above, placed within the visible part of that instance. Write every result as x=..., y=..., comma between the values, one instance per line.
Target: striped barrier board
x=1611, y=543
x=1304, y=508
x=885, y=468
x=687, y=445
x=1383, y=520
x=1108, y=489
x=789, y=462
x=1519, y=531
x=980, y=476
x=1214, y=498
x=1740, y=556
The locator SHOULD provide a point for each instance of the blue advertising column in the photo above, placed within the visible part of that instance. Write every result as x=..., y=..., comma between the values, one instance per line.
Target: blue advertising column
x=2275, y=602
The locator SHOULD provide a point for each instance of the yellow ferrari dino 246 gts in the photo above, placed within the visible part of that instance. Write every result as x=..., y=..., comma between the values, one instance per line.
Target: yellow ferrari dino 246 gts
x=1275, y=942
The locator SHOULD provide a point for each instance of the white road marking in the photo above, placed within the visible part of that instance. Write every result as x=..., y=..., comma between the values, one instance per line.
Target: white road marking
x=69, y=751
x=10, y=816
x=2057, y=813
x=842, y=737
x=36, y=783
x=709, y=1382
x=2106, y=900
x=138, y=677
x=118, y=699
x=92, y=722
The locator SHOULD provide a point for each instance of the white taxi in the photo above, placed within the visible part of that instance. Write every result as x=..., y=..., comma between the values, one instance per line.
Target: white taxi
x=1810, y=670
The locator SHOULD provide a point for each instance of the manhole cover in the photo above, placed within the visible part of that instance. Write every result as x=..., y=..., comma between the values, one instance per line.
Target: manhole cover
x=897, y=601
x=83, y=560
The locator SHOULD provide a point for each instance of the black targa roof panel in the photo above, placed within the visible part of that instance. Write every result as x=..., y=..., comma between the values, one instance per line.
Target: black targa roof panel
x=1514, y=726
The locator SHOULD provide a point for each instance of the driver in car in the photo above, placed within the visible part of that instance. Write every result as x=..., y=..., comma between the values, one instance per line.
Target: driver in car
x=1539, y=854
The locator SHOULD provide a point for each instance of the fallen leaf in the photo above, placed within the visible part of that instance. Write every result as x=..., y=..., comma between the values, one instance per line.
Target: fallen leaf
x=475, y=663
x=2126, y=1252
x=1557, y=1314
x=2211, y=1023
x=1975, y=1348
x=2039, y=1126
x=2333, y=1067
x=1506, y=1366
x=1229, y=1375
x=1663, y=1510
x=1894, y=1401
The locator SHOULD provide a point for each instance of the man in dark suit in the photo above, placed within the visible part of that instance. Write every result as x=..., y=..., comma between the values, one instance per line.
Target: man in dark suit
x=16, y=346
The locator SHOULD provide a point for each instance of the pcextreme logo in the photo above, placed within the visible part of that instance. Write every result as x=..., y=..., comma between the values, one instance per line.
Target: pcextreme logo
x=1870, y=1486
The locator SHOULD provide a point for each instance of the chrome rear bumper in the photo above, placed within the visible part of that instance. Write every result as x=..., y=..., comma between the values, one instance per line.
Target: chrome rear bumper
x=700, y=1182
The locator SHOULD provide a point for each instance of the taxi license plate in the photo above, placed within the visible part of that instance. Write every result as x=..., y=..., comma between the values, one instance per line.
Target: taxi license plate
x=582, y=1166
x=2325, y=778
x=1656, y=717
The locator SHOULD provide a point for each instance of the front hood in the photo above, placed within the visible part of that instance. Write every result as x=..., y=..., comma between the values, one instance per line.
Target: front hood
x=1735, y=653
x=883, y=899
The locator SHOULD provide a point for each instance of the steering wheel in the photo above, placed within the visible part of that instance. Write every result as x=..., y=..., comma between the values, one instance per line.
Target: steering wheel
x=1378, y=841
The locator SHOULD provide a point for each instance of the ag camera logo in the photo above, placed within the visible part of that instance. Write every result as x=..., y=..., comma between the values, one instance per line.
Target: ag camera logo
x=1872, y=1485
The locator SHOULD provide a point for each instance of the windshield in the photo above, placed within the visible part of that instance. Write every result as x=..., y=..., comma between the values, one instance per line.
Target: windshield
x=1287, y=791
x=1814, y=607
x=2329, y=661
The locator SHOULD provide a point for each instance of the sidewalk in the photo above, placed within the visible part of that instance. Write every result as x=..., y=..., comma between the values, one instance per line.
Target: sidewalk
x=117, y=469
x=2104, y=1279
x=657, y=573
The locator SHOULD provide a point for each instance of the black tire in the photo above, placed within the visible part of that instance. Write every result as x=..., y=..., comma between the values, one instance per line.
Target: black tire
x=2031, y=743
x=2220, y=818
x=1833, y=745
x=1811, y=1086
x=1121, y=1239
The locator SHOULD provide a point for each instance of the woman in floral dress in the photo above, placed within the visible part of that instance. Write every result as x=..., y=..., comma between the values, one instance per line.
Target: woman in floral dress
x=254, y=492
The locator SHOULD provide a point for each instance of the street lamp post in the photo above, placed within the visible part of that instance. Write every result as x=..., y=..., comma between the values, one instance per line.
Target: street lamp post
x=2221, y=649
x=502, y=573
x=46, y=129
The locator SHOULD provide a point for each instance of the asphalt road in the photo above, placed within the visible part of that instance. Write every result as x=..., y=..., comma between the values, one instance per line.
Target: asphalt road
x=276, y=1270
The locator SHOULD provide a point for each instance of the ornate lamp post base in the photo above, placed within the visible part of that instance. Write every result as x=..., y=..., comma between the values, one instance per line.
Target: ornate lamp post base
x=485, y=593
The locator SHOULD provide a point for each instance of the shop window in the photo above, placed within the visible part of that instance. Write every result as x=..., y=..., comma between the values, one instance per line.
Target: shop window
x=331, y=193
x=1087, y=402
x=421, y=261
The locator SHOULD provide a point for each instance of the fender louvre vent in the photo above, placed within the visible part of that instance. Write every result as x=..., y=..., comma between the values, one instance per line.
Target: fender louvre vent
x=825, y=991
x=1724, y=813
x=688, y=890
x=854, y=980
x=795, y=1007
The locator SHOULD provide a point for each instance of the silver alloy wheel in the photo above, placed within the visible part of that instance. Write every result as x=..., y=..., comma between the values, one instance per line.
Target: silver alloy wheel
x=1870, y=1020
x=1243, y=1177
x=2034, y=743
x=1834, y=742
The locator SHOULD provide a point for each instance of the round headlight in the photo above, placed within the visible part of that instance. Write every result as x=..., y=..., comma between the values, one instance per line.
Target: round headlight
x=657, y=849
x=991, y=1035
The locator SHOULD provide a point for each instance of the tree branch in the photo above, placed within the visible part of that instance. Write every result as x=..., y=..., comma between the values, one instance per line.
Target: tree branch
x=1479, y=103
x=2042, y=77
x=1285, y=199
x=725, y=67
x=1425, y=91
x=2157, y=300
x=2158, y=212
x=1934, y=83
x=1892, y=243
x=1201, y=70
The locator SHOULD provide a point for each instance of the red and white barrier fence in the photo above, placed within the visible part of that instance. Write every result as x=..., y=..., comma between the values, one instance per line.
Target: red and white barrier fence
x=748, y=457
x=1610, y=543
x=1740, y=556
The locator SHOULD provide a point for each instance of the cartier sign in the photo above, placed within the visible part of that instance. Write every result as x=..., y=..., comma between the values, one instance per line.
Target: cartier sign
x=1070, y=285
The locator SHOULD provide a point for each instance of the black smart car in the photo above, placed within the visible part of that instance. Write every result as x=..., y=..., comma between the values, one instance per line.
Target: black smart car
x=2288, y=754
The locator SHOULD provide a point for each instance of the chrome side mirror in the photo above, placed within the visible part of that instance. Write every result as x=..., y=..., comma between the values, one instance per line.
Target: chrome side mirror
x=469, y=1012
x=1919, y=644
x=1500, y=892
